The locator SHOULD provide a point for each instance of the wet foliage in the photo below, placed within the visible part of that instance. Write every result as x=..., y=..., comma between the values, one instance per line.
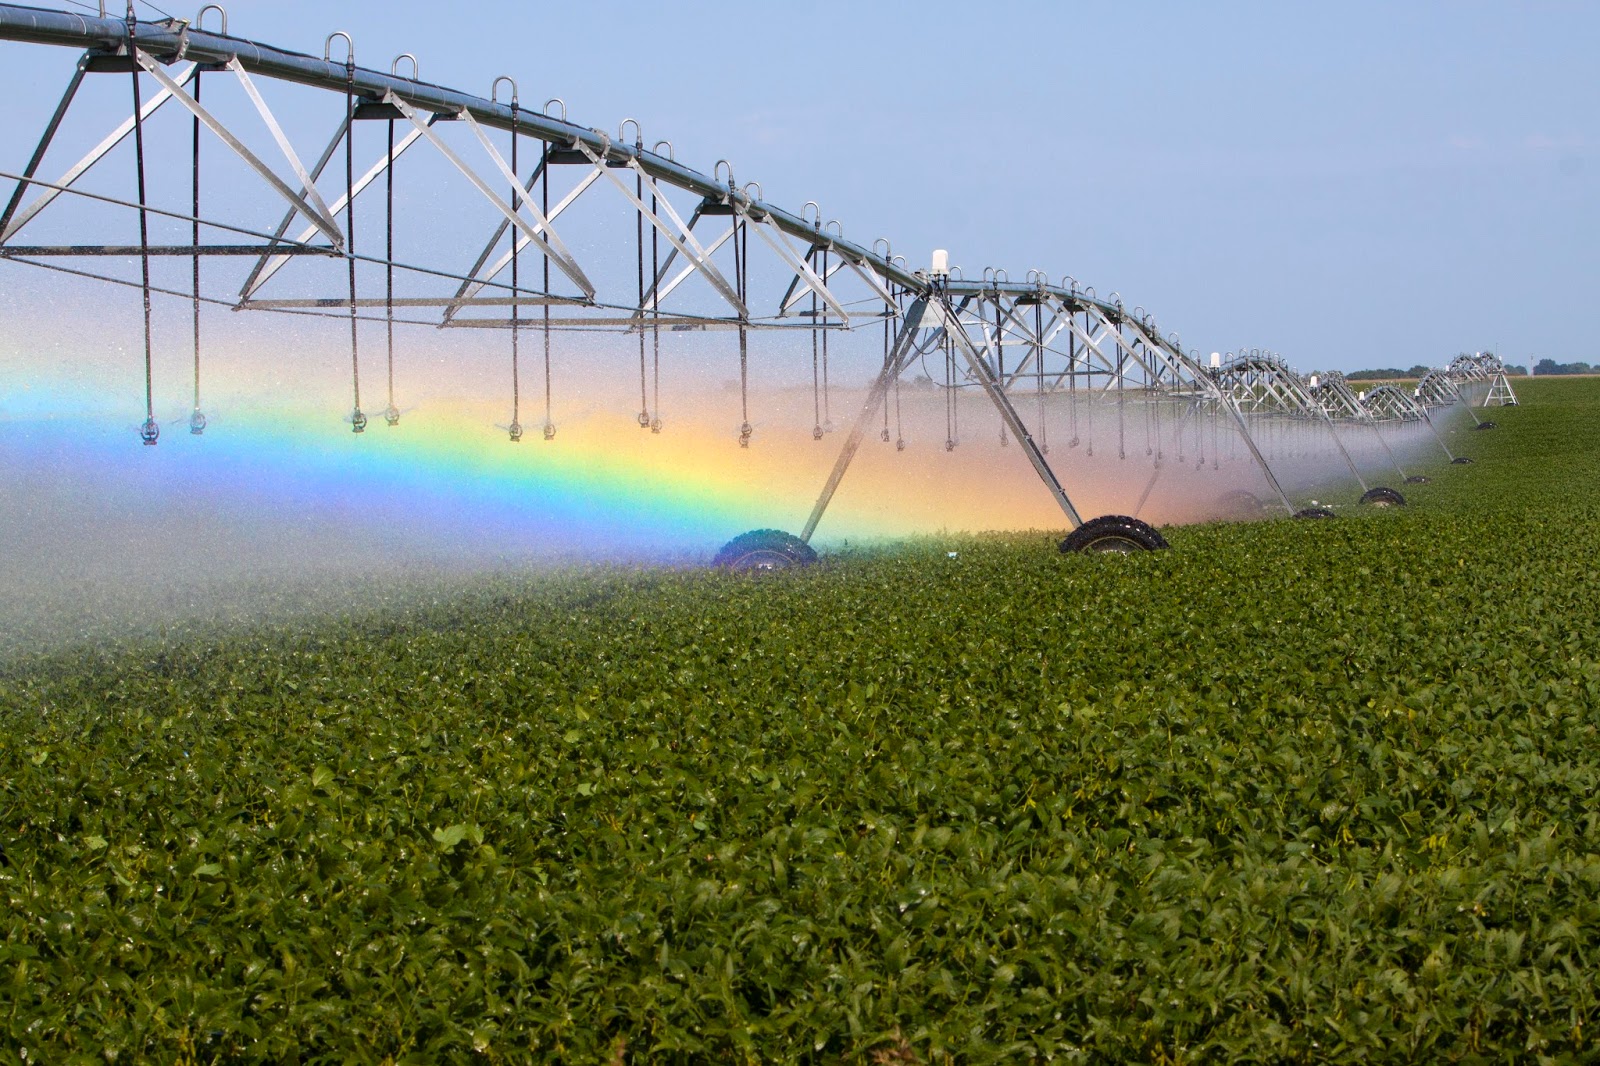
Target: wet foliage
x=1290, y=791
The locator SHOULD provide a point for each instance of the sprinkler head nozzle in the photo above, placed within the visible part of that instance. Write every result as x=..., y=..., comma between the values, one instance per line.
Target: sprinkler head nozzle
x=197, y=422
x=644, y=419
x=358, y=421
x=655, y=425
x=149, y=432
x=515, y=432
x=391, y=415
x=549, y=431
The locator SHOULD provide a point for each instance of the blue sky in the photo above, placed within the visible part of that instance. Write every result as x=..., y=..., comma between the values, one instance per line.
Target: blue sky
x=1352, y=185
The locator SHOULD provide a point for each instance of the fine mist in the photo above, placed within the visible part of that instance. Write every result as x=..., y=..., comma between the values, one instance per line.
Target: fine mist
x=278, y=508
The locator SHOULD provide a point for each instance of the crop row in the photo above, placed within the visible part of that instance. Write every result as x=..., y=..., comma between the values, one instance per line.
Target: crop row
x=1310, y=791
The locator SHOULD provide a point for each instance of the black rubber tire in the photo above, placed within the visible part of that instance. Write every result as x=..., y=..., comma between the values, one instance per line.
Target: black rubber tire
x=1417, y=479
x=1114, y=533
x=764, y=550
x=1484, y=425
x=1238, y=503
x=1315, y=512
x=1460, y=460
x=1382, y=497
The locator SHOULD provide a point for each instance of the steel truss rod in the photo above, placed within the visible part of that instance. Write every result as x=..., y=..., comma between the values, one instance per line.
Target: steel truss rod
x=796, y=291
x=48, y=136
x=264, y=268
x=661, y=292
x=683, y=239
x=41, y=250
x=307, y=187
x=471, y=288
x=631, y=324
x=1232, y=408
x=779, y=242
x=543, y=234
x=311, y=204
x=268, y=267
x=95, y=154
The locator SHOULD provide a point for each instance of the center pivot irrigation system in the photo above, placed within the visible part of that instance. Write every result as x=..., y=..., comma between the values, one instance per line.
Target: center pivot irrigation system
x=674, y=253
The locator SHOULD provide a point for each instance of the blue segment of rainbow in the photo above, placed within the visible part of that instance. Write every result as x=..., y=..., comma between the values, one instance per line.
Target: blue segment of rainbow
x=446, y=479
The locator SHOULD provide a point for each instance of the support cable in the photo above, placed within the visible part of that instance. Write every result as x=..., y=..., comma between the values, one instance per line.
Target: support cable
x=1038, y=359
x=999, y=355
x=638, y=222
x=827, y=414
x=741, y=255
x=816, y=373
x=655, y=317
x=515, y=429
x=150, y=432
x=358, y=421
x=544, y=194
x=391, y=414
x=197, y=420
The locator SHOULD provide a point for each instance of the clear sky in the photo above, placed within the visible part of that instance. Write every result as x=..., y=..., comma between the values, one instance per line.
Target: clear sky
x=1352, y=185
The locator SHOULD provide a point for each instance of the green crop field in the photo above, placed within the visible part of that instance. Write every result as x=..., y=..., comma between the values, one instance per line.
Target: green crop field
x=1319, y=791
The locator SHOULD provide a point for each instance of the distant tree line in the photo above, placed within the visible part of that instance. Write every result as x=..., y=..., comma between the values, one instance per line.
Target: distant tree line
x=1388, y=373
x=1550, y=366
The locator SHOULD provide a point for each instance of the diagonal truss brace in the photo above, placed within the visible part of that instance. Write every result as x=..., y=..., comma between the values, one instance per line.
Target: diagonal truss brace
x=778, y=241
x=270, y=265
x=307, y=186
x=44, y=141
x=542, y=231
x=661, y=292
x=548, y=242
x=683, y=240
x=469, y=290
x=95, y=154
x=318, y=213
